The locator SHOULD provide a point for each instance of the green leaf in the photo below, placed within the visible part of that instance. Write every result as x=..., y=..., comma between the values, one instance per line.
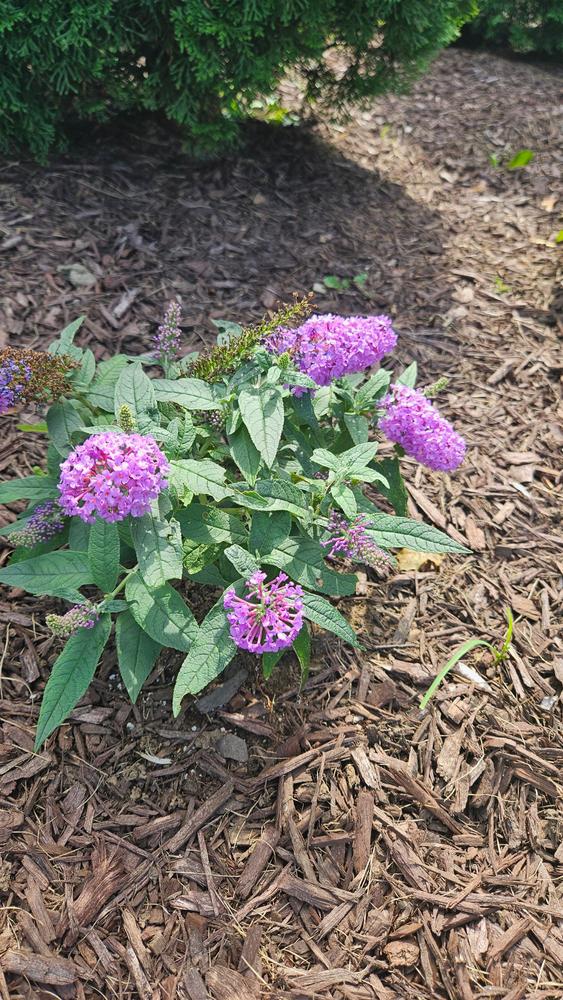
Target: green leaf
x=302, y=559
x=371, y=390
x=408, y=377
x=211, y=577
x=326, y=459
x=263, y=414
x=83, y=376
x=64, y=344
x=559, y=236
x=521, y=159
x=158, y=544
x=198, y=556
x=268, y=530
x=244, y=563
x=191, y=393
x=354, y=460
x=62, y=420
x=212, y=650
x=357, y=426
x=280, y=489
x=302, y=649
x=39, y=428
x=395, y=491
x=101, y=392
x=208, y=524
x=71, y=675
x=392, y=532
x=270, y=660
x=56, y=574
x=161, y=612
x=460, y=652
x=137, y=653
x=245, y=454
x=135, y=390
x=344, y=497
x=317, y=610
x=78, y=535
x=114, y=606
x=200, y=476
x=103, y=554
x=29, y=488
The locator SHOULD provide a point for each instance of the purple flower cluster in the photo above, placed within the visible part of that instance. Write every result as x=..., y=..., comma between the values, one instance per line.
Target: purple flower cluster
x=327, y=347
x=269, y=618
x=167, y=338
x=350, y=540
x=45, y=522
x=111, y=476
x=411, y=421
x=80, y=616
x=14, y=376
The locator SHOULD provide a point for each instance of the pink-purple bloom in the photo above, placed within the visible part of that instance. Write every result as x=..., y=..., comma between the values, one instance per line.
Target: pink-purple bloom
x=411, y=421
x=167, y=338
x=350, y=540
x=270, y=616
x=45, y=522
x=80, y=616
x=327, y=347
x=111, y=476
x=14, y=376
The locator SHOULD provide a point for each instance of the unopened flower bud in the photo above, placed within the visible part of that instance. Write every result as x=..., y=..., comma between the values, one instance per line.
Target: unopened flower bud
x=125, y=419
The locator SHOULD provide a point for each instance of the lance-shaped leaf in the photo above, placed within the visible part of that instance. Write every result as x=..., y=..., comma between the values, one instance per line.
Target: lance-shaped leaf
x=212, y=650
x=158, y=544
x=71, y=675
x=56, y=574
x=137, y=653
x=162, y=613
x=103, y=554
x=263, y=414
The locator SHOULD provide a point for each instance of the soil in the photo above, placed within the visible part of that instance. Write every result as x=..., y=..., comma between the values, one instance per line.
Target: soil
x=335, y=843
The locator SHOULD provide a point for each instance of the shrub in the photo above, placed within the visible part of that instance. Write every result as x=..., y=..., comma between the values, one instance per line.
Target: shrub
x=525, y=26
x=200, y=63
x=243, y=471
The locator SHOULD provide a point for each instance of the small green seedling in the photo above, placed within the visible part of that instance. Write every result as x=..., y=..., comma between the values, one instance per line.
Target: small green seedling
x=342, y=284
x=520, y=159
x=501, y=287
x=498, y=656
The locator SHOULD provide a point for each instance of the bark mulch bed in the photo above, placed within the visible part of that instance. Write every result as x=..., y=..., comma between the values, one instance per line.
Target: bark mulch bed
x=336, y=844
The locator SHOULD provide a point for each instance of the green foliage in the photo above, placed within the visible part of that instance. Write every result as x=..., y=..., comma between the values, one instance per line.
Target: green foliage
x=524, y=26
x=201, y=63
x=251, y=492
x=466, y=647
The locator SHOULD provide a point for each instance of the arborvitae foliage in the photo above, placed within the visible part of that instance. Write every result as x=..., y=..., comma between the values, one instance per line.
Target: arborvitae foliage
x=525, y=26
x=201, y=62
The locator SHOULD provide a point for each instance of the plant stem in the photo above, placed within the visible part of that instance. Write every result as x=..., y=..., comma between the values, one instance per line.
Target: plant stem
x=121, y=585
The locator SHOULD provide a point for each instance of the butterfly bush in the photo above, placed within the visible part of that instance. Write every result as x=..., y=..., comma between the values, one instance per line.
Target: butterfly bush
x=14, y=377
x=269, y=618
x=45, y=522
x=246, y=484
x=411, y=421
x=327, y=347
x=167, y=339
x=80, y=616
x=112, y=476
x=351, y=540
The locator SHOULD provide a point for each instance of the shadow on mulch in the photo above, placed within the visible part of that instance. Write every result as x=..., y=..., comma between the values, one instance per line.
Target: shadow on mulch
x=231, y=237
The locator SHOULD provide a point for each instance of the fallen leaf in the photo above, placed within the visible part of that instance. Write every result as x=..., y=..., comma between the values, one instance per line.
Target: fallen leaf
x=78, y=275
x=409, y=560
x=549, y=202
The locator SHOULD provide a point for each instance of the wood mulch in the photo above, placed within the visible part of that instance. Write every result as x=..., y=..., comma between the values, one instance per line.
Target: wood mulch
x=337, y=844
